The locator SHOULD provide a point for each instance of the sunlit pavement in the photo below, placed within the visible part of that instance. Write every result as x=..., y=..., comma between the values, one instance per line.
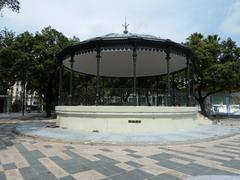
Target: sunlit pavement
x=28, y=158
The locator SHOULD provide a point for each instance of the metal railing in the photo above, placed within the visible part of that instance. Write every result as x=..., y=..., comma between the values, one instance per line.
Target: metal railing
x=125, y=96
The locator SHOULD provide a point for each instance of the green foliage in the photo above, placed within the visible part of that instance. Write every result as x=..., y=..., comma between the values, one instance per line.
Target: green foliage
x=7, y=60
x=31, y=58
x=14, y=5
x=6, y=38
x=218, y=65
x=43, y=70
x=23, y=46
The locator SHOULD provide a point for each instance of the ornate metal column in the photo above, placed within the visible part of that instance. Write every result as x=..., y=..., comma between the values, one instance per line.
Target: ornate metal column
x=61, y=69
x=98, y=77
x=168, y=75
x=85, y=97
x=173, y=90
x=71, y=81
x=192, y=80
x=157, y=79
x=134, y=75
x=103, y=94
x=187, y=80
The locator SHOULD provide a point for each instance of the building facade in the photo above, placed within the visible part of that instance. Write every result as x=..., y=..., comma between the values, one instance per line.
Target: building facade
x=15, y=96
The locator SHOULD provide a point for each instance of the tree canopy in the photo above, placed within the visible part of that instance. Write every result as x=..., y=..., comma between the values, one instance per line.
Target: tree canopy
x=14, y=5
x=31, y=58
x=7, y=56
x=43, y=71
x=218, y=66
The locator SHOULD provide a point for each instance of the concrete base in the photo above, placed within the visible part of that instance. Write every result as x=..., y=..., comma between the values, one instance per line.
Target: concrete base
x=126, y=119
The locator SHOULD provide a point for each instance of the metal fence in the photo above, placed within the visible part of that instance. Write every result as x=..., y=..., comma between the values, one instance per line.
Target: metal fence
x=125, y=96
x=223, y=104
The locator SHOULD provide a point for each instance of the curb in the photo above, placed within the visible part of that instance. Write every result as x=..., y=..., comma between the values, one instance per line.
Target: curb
x=109, y=143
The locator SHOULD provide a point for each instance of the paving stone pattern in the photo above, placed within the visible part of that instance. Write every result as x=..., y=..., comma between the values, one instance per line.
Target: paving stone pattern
x=27, y=158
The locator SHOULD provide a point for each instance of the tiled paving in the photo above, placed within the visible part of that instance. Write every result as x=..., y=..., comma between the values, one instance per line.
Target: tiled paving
x=27, y=158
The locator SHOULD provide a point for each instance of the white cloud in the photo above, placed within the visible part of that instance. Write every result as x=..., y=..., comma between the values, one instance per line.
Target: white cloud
x=172, y=19
x=231, y=23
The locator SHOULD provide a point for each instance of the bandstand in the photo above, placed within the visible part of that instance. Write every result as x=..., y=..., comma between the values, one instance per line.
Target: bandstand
x=154, y=79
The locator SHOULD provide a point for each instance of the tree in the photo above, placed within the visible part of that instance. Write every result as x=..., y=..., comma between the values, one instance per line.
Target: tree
x=217, y=66
x=43, y=71
x=14, y=5
x=7, y=60
x=31, y=59
x=23, y=48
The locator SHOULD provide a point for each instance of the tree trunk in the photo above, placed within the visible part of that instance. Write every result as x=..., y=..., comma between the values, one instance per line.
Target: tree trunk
x=23, y=97
x=201, y=102
x=48, y=103
x=147, y=98
x=48, y=106
x=1, y=105
x=126, y=95
x=201, y=99
x=2, y=100
x=49, y=92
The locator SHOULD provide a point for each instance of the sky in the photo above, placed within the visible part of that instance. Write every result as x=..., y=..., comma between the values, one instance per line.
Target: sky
x=168, y=19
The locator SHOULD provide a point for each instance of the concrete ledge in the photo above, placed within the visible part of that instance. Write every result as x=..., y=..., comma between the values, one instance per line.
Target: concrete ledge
x=201, y=133
x=125, y=119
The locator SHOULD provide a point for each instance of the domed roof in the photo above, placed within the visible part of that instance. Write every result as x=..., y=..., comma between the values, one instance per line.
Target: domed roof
x=116, y=52
x=117, y=35
x=112, y=36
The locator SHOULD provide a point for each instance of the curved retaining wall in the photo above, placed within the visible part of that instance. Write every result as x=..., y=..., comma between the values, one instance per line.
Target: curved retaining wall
x=126, y=119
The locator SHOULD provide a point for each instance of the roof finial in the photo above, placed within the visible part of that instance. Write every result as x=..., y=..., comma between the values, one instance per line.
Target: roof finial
x=125, y=26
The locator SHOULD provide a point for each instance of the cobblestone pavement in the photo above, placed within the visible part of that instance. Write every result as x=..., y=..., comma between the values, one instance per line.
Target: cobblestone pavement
x=27, y=158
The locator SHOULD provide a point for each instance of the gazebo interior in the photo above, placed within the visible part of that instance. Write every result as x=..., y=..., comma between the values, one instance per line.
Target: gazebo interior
x=126, y=69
